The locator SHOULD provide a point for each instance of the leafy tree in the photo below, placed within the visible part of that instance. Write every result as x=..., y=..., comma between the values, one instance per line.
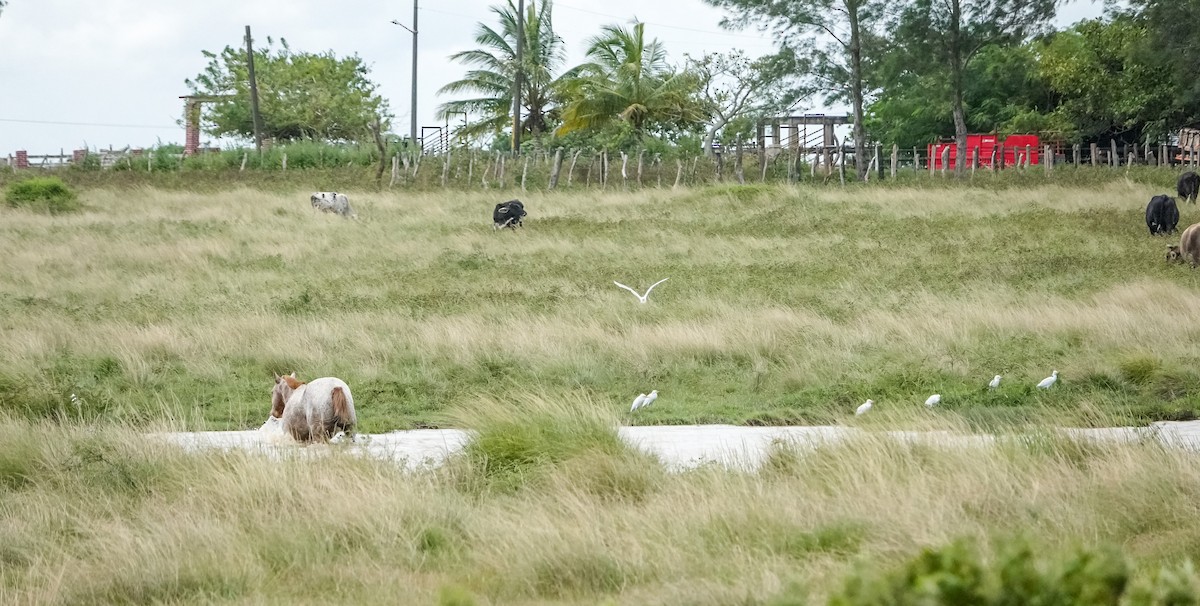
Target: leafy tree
x=844, y=28
x=629, y=79
x=735, y=87
x=1171, y=43
x=495, y=63
x=1110, y=81
x=947, y=35
x=301, y=95
x=1005, y=93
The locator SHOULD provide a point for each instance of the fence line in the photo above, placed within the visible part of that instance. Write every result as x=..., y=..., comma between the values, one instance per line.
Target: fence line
x=558, y=168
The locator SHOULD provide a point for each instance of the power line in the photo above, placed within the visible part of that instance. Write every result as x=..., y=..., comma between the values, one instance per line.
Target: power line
x=592, y=12
x=686, y=29
x=59, y=123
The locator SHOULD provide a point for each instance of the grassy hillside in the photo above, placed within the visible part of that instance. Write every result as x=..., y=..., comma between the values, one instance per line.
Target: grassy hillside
x=784, y=305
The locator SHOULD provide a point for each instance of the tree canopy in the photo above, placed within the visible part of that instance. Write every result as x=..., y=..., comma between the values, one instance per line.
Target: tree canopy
x=911, y=71
x=301, y=95
x=494, y=64
x=628, y=78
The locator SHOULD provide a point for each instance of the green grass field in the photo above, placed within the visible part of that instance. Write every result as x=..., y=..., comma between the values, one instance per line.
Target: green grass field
x=161, y=308
x=784, y=305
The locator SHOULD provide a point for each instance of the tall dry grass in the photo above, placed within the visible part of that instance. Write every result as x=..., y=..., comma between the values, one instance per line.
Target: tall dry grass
x=785, y=304
x=90, y=516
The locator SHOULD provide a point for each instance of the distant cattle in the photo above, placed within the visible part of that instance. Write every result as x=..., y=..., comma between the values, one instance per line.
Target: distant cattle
x=1162, y=215
x=332, y=202
x=1189, y=246
x=1188, y=186
x=508, y=214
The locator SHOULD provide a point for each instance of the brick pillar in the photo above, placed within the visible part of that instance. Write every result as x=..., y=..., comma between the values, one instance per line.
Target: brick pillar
x=22, y=158
x=192, y=137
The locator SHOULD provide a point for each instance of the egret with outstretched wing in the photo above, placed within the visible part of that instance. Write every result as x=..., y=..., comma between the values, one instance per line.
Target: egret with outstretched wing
x=641, y=298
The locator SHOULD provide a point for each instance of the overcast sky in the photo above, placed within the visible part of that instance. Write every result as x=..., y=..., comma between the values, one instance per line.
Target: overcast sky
x=111, y=72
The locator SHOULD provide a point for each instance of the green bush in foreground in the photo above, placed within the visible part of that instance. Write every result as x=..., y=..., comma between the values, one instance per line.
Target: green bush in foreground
x=1019, y=574
x=42, y=194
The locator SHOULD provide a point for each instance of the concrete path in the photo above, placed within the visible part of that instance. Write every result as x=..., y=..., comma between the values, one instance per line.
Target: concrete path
x=677, y=446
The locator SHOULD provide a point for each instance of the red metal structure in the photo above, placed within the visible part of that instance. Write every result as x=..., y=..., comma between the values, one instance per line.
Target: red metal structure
x=1010, y=151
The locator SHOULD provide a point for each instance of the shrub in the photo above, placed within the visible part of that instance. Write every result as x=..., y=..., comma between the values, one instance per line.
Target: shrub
x=42, y=194
x=525, y=441
x=1019, y=573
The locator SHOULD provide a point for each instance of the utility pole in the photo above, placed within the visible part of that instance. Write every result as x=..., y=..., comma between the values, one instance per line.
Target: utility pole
x=253, y=92
x=517, y=78
x=413, y=30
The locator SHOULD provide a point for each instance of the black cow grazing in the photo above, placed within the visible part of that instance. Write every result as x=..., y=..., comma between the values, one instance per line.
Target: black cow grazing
x=1162, y=215
x=1188, y=186
x=508, y=214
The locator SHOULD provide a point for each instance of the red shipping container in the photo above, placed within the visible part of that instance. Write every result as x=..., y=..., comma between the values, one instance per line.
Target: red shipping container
x=1008, y=151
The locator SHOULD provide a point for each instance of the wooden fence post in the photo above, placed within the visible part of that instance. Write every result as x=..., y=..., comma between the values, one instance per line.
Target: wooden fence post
x=1075, y=154
x=641, y=154
x=624, y=174
x=524, y=172
x=284, y=160
x=678, y=172
x=945, y=159
x=1113, y=159
x=1048, y=159
x=554, y=168
x=1095, y=155
x=895, y=159
x=974, y=159
x=571, y=171
x=842, y=163
x=762, y=149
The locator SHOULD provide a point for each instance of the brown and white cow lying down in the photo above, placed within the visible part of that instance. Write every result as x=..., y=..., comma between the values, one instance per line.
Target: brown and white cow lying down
x=332, y=202
x=1189, y=246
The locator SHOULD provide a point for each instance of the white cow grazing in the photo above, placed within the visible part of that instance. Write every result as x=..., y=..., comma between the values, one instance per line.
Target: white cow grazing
x=332, y=202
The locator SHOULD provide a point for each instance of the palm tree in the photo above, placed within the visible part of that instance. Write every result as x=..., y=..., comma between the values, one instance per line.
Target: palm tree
x=495, y=62
x=629, y=79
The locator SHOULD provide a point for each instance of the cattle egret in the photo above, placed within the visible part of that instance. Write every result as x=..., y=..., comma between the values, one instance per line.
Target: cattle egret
x=933, y=400
x=638, y=402
x=864, y=407
x=650, y=398
x=1048, y=381
x=995, y=382
x=641, y=298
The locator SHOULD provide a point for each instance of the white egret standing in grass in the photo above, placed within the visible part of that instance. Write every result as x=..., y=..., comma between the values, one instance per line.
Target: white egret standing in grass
x=933, y=400
x=638, y=402
x=641, y=298
x=1048, y=381
x=995, y=382
x=864, y=407
x=650, y=398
